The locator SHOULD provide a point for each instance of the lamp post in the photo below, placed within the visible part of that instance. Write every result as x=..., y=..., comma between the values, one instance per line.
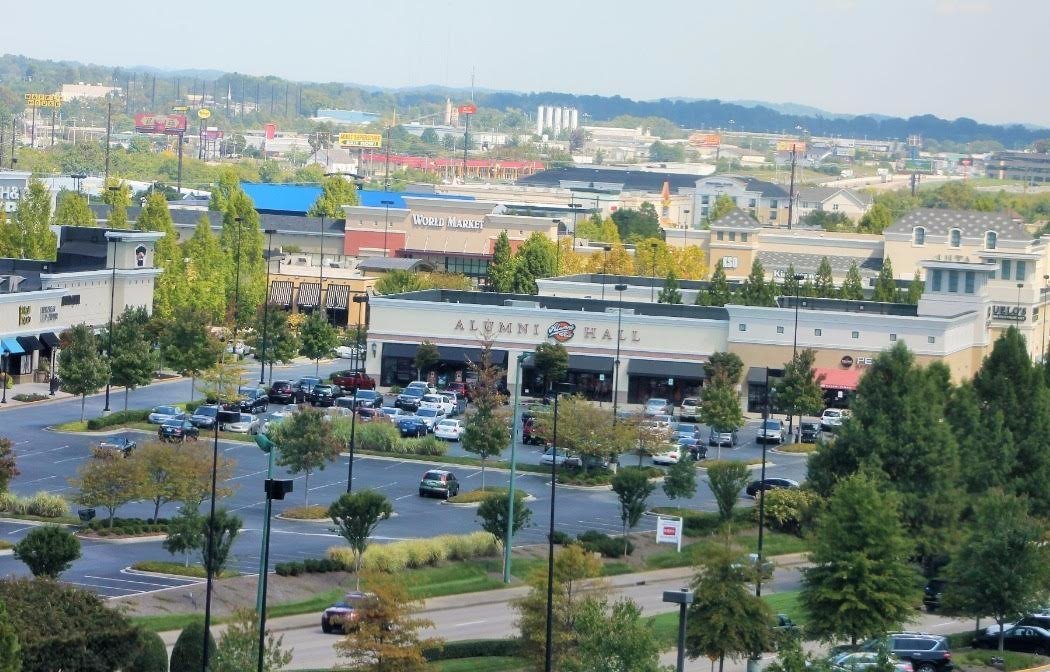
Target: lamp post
x=683, y=598
x=605, y=266
x=266, y=308
x=798, y=278
x=548, y=647
x=685, y=229
x=1020, y=285
x=275, y=489
x=620, y=288
x=237, y=282
x=210, y=537
x=4, y=358
x=652, y=279
x=762, y=484
x=575, y=208
x=112, y=300
x=363, y=299
x=320, y=283
x=557, y=246
x=386, y=223
x=514, y=429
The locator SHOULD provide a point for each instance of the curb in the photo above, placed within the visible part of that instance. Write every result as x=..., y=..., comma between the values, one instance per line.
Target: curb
x=162, y=575
x=474, y=505
x=34, y=523
x=750, y=467
x=145, y=538
x=303, y=520
x=791, y=454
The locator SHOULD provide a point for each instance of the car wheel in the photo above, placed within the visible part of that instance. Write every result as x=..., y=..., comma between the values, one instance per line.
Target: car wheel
x=926, y=667
x=326, y=629
x=422, y=494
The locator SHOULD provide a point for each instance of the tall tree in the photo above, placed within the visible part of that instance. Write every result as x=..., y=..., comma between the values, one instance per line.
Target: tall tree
x=1002, y=567
x=188, y=347
x=73, y=210
x=317, y=338
x=134, y=359
x=221, y=381
x=185, y=533
x=718, y=292
x=861, y=583
x=169, y=473
x=494, y=513
x=552, y=362
x=205, y=273
x=726, y=480
x=914, y=290
x=824, y=283
x=238, y=648
x=791, y=286
x=670, y=292
x=632, y=488
x=799, y=390
x=875, y=220
x=536, y=258
x=722, y=206
x=281, y=341
x=81, y=367
x=680, y=480
x=616, y=638
x=727, y=365
x=242, y=241
x=171, y=290
x=885, y=285
x=486, y=432
x=501, y=268
x=306, y=442
x=427, y=357
x=987, y=454
x=107, y=480
x=356, y=516
x=720, y=405
x=31, y=236
x=224, y=528
x=725, y=618
x=117, y=195
x=336, y=191
x=852, y=287
x=8, y=470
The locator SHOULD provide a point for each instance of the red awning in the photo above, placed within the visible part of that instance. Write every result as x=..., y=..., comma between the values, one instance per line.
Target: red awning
x=838, y=379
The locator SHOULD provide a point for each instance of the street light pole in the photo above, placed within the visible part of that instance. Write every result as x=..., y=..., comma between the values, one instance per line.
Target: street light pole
x=320, y=284
x=798, y=277
x=652, y=279
x=1046, y=282
x=386, y=224
x=362, y=299
x=237, y=283
x=514, y=429
x=557, y=246
x=266, y=309
x=605, y=266
x=683, y=598
x=575, y=208
x=548, y=649
x=620, y=288
x=210, y=537
x=762, y=484
x=109, y=335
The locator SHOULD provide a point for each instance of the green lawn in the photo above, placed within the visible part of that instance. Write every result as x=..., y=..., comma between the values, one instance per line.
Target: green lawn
x=665, y=626
x=178, y=568
x=982, y=657
x=450, y=579
x=773, y=543
x=484, y=664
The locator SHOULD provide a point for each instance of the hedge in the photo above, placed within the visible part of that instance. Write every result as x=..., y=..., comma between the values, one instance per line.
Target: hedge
x=42, y=504
x=415, y=553
x=384, y=437
x=128, y=526
x=599, y=542
x=152, y=654
x=118, y=418
x=308, y=566
x=474, y=648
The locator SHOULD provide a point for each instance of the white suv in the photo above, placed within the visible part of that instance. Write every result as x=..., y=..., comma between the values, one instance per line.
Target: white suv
x=437, y=402
x=690, y=409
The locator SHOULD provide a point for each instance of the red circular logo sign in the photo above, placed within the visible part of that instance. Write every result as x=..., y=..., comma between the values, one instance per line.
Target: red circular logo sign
x=561, y=331
x=846, y=362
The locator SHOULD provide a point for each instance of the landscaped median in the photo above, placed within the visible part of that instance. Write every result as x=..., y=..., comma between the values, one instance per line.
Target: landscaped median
x=313, y=513
x=179, y=569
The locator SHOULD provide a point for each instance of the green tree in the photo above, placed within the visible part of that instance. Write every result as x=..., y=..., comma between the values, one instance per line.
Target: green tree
x=188, y=347
x=221, y=381
x=725, y=618
x=799, y=390
x=824, y=283
x=718, y=292
x=914, y=290
x=551, y=360
x=852, y=287
x=356, y=516
x=188, y=653
x=501, y=268
x=31, y=237
x=791, y=286
x=494, y=512
x=282, y=343
x=875, y=220
x=632, y=488
x=107, y=480
x=399, y=282
x=81, y=367
x=885, y=285
x=670, y=292
x=10, y=655
x=117, y=195
x=987, y=454
x=48, y=551
x=134, y=360
x=726, y=480
x=614, y=639
x=828, y=221
x=861, y=583
x=720, y=405
x=722, y=206
x=8, y=469
x=151, y=654
x=205, y=273
x=639, y=224
x=726, y=365
x=185, y=533
x=224, y=528
x=680, y=480
x=306, y=442
x=317, y=338
x=536, y=258
x=336, y=191
x=73, y=210
x=171, y=290
x=659, y=151
x=242, y=241
x=1002, y=568
x=427, y=357
x=238, y=648
x=430, y=136
x=486, y=432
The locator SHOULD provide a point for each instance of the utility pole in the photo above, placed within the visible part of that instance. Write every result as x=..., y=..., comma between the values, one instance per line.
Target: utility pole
x=109, y=126
x=791, y=190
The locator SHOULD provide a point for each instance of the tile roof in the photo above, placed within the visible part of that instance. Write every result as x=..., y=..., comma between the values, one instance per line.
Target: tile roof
x=809, y=263
x=824, y=193
x=971, y=223
x=737, y=219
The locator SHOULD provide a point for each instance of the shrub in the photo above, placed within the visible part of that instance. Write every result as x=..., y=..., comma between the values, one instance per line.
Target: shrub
x=416, y=553
x=426, y=445
x=561, y=538
x=188, y=653
x=152, y=655
x=377, y=436
x=789, y=510
x=48, y=550
x=474, y=648
x=289, y=568
x=312, y=512
x=118, y=418
x=29, y=397
x=396, y=389
x=342, y=556
x=599, y=542
x=47, y=505
x=192, y=406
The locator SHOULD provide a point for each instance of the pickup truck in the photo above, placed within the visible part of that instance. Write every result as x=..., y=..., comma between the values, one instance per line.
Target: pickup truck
x=353, y=380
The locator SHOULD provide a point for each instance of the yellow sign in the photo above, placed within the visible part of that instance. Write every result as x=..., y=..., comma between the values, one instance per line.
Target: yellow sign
x=372, y=140
x=180, y=108
x=786, y=146
x=203, y=113
x=44, y=99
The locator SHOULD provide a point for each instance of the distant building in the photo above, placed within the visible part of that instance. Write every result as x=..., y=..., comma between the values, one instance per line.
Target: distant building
x=349, y=117
x=334, y=160
x=87, y=91
x=556, y=119
x=1031, y=167
x=764, y=201
x=848, y=202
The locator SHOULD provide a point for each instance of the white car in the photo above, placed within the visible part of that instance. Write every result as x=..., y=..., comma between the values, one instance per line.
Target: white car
x=244, y=425
x=832, y=418
x=278, y=416
x=239, y=348
x=668, y=457
x=690, y=409
x=424, y=385
x=430, y=417
x=160, y=414
x=450, y=430
x=658, y=406
x=560, y=459
x=349, y=352
x=437, y=402
x=452, y=398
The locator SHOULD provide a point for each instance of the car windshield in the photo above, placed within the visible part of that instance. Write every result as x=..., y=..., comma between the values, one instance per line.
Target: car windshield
x=366, y=394
x=207, y=411
x=657, y=402
x=432, y=398
x=448, y=423
x=166, y=410
x=173, y=423
x=771, y=424
x=246, y=417
x=832, y=414
x=323, y=388
x=689, y=402
x=413, y=392
x=427, y=413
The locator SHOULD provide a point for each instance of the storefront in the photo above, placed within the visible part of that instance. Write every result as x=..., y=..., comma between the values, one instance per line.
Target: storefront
x=397, y=365
x=298, y=287
x=663, y=379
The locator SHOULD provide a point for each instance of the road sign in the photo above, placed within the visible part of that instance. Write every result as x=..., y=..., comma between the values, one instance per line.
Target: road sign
x=44, y=99
x=203, y=113
x=360, y=140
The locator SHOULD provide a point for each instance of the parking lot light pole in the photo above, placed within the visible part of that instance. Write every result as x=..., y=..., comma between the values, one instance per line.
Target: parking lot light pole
x=605, y=266
x=353, y=429
x=386, y=223
x=798, y=278
x=683, y=598
x=266, y=310
x=1046, y=282
x=620, y=288
x=358, y=353
x=514, y=429
x=548, y=647
x=210, y=537
x=268, y=447
x=112, y=300
x=275, y=489
x=762, y=482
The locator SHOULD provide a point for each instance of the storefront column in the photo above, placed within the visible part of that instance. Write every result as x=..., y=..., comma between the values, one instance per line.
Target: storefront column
x=621, y=381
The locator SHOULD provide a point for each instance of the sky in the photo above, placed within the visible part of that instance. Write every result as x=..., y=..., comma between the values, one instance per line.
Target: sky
x=952, y=58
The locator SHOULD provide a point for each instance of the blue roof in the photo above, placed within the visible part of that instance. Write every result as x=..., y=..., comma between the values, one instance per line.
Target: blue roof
x=282, y=198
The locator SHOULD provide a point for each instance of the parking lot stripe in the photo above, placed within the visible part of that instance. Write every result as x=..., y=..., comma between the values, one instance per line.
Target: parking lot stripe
x=95, y=585
x=188, y=582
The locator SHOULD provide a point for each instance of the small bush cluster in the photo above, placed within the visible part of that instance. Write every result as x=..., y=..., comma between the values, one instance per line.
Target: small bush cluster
x=42, y=504
x=383, y=437
x=192, y=406
x=474, y=648
x=417, y=553
x=790, y=510
x=308, y=566
x=118, y=418
x=312, y=512
x=561, y=538
x=33, y=396
x=599, y=542
x=128, y=527
x=599, y=476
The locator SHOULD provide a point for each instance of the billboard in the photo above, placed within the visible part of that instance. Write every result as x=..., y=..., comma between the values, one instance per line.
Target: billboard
x=168, y=124
x=918, y=165
x=44, y=99
x=358, y=140
x=271, y=131
x=705, y=139
x=786, y=145
x=469, y=108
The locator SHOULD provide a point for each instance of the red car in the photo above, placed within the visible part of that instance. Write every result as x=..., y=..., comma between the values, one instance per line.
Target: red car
x=461, y=389
x=353, y=380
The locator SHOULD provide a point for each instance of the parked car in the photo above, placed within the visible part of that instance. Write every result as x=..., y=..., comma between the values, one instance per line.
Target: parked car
x=461, y=389
x=159, y=414
x=439, y=482
x=177, y=430
x=686, y=431
x=771, y=431
x=832, y=418
x=281, y=392
x=658, y=406
x=410, y=425
x=303, y=387
x=250, y=400
x=391, y=412
x=561, y=459
x=859, y=661
x=345, y=614
x=277, y=416
x=409, y=398
x=204, y=417
x=1023, y=638
x=348, y=352
x=1040, y=619
x=324, y=395
x=722, y=437
x=925, y=652
x=244, y=424
x=690, y=409
x=430, y=417
x=353, y=380
x=423, y=385
x=754, y=487
x=668, y=457
x=121, y=442
x=436, y=402
x=809, y=431
x=369, y=415
x=450, y=430
x=932, y=593
x=459, y=404
x=693, y=447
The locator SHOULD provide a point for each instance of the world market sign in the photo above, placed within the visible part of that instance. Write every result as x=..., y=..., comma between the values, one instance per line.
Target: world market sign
x=447, y=222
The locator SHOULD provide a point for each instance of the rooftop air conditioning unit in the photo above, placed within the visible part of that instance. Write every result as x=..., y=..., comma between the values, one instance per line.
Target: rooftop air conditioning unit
x=515, y=303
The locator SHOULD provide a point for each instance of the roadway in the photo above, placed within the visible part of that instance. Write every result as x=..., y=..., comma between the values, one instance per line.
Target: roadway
x=47, y=459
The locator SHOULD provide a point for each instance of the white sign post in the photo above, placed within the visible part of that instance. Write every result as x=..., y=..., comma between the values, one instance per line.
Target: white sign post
x=669, y=531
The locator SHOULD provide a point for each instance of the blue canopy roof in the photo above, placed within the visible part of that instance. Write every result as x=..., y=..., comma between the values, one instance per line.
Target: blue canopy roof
x=296, y=199
x=11, y=345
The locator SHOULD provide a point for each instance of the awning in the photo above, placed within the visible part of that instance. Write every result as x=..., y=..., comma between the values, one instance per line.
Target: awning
x=590, y=363
x=12, y=346
x=449, y=354
x=838, y=379
x=49, y=339
x=29, y=343
x=659, y=368
x=281, y=293
x=338, y=295
x=756, y=375
x=309, y=294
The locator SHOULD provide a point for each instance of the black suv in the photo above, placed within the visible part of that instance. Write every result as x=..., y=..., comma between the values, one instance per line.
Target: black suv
x=409, y=399
x=926, y=653
x=324, y=395
x=250, y=400
x=304, y=387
